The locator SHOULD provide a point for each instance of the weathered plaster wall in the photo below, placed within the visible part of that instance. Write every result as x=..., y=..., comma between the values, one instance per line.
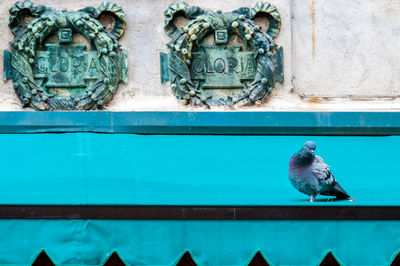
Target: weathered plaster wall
x=345, y=54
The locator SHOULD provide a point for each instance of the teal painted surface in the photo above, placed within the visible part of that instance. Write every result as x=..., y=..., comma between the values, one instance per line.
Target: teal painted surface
x=89, y=168
x=204, y=123
x=211, y=243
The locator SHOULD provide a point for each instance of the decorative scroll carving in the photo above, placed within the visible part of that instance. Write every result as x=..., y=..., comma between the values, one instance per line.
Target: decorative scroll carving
x=63, y=76
x=247, y=73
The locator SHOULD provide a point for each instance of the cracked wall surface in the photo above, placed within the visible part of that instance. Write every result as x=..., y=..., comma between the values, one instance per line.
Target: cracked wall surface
x=345, y=55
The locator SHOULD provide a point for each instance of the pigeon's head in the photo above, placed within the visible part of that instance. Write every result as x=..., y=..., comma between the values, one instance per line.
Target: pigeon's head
x=310, y=145
x=306, y=155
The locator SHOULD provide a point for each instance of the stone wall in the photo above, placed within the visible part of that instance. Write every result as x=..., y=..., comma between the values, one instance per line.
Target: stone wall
x=345, y=55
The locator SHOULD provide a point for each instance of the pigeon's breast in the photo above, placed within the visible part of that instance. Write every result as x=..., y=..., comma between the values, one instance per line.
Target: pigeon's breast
x=303, y=179
x=292, y=162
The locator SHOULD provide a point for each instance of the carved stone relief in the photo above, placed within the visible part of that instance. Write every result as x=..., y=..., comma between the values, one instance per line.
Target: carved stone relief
x=224, y=72
x=63, y=75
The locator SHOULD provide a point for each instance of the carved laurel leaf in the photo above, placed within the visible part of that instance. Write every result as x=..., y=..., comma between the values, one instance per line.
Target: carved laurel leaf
x=273, y=14
x=237, y=22
x=24, y=49
x=118, y=14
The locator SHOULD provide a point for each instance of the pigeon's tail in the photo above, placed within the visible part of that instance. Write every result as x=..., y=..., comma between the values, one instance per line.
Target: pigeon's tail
x=337, y=191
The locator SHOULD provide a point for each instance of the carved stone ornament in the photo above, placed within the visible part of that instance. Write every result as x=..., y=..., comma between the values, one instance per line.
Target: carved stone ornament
x=62, y=75
x=238, y=67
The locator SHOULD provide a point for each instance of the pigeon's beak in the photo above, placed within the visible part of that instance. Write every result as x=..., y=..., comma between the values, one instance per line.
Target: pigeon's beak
x=312, y=150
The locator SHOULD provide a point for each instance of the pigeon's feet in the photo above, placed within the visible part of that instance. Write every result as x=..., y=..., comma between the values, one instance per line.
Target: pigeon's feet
x=311, y=198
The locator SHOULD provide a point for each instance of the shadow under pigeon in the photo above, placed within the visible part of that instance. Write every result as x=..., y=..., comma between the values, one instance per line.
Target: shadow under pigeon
x=329, y=200
x=326, y=200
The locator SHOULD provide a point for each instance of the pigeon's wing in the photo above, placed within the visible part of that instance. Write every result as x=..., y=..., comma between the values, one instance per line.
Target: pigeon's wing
x=322, y=171
x=329, y=186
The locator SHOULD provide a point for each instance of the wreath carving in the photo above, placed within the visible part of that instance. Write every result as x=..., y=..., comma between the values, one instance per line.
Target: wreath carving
x=21, y=65
x=187, y=44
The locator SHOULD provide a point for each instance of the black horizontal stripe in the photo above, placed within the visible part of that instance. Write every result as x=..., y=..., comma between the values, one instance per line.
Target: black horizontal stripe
x=199, y=212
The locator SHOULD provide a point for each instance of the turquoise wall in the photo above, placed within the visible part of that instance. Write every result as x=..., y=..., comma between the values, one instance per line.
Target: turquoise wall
x=89, y=168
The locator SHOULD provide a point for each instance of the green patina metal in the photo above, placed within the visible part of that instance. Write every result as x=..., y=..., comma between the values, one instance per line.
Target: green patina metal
x=224, y=73
x=164, y=67
x=65, y=75
x=222, y=67
x=66, y=66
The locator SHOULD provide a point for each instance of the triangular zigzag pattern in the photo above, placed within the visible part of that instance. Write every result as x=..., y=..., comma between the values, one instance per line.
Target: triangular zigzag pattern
x=43, y=260
x=186, y=259
x=114, y=260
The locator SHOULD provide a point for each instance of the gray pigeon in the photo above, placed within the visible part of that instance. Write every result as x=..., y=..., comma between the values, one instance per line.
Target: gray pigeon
x=310, y=175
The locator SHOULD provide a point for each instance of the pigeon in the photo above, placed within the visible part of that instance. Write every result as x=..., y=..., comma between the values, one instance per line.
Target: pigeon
x=309, y=174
